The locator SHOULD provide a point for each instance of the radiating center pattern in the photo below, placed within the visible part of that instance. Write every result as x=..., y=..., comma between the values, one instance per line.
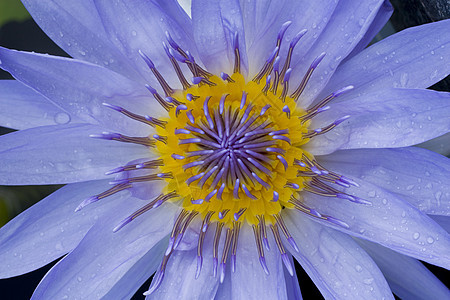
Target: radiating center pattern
x=231, y=151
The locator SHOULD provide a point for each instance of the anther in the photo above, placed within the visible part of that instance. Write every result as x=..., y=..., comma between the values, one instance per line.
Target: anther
x=226, y=249
x=264, y=109
x=280, y=246
x=292, y=45
x=194, y=178
x=267, y=85
x=287, y=111
x=263, y=232
x=222, y=103
x=292, y=185
x=179, y=109
x=226, y=77
x=109, y=192
x=153, y=204
x=236, y=189
x=237, y=55
x=216, y=246
x=133, y=116
x=330, y=97
x=325, y=129
x=267, y=66
x=191, y=97
x=165, y=86
x=247, y=192
x=282, y=31
x=285, y=84
x=178, y=157
x=283, y=161
x=190, y=116
x=276, y=196
x=276, y=66
x=176, y=67
x=243, y=100
x=260, y=249
x=158, y=98
x=307, y=76
x=162, y=139
x=199, y=79
x=239, y=214
x=236, y=228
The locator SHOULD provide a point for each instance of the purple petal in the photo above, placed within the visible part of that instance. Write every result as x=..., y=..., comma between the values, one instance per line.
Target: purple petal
x=443, y=221
x=408, y=278
x=263, y=20
x=76, y=27
x=61, y=154
x=384, y=119
x=345, y=30
x=182, y=268
x=215, y=24
x=138, y=274
x=142, y=26
x=292, y=283
x=80, y=88
x=50, y=228
x=413, y=58
x=336, y=264
x=22, y=108
x=103, y=258
x=390, y=221
x=249, y=277
x=383, y=15
x=423, y=183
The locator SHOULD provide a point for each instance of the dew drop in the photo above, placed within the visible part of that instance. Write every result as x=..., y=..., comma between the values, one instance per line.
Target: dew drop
x=371, y=194
x=385, y=201
x=430, y=240
x=61, y=118
x=134, y=33
x=79, y=279
x=358, y=268
x=416, y=235
x=368, y=281
x=403, y=79
x=59, y=246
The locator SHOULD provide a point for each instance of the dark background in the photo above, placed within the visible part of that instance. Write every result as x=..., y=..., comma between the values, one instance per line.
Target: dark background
x=27, y=36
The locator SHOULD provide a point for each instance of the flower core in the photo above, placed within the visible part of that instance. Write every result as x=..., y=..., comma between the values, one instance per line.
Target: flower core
x=233, y=150
x=230, y=150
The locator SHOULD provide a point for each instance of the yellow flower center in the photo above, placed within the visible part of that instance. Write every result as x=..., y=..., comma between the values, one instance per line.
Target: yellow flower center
x=231, y=150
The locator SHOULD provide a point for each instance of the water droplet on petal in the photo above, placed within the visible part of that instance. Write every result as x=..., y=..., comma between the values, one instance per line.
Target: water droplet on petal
x=430, y=240
x=61, y=118
x=416, y=235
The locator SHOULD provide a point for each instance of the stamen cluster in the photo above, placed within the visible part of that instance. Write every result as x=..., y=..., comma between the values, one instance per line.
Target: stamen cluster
x=231, y=152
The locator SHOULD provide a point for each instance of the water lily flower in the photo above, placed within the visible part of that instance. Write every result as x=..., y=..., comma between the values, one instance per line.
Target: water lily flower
x=213, y=150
